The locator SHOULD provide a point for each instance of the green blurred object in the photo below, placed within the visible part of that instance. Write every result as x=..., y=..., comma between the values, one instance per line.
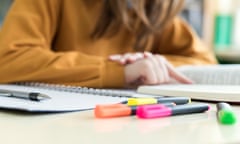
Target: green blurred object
x=226, y=114
x=227, y=117
x=223, y=32
x=4, y=6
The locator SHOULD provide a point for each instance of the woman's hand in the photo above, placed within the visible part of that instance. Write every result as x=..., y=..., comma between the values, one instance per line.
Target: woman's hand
x=148, y=69
x=153, y=70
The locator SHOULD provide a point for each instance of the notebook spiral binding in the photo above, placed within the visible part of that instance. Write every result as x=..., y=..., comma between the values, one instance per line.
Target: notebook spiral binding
x=78, y=89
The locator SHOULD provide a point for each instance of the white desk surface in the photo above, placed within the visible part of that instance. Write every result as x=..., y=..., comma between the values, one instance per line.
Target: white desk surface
x=83, y=128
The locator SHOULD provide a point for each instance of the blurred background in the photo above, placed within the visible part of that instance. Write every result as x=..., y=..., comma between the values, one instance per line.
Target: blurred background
x=4, y=6
x=215, y=21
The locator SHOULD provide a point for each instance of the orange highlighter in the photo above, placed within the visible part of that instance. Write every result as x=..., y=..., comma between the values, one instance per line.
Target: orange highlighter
x=119, y=110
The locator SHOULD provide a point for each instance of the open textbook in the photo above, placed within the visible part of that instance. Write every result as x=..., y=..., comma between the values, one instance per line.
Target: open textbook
x=213, y=74
x=212, y=83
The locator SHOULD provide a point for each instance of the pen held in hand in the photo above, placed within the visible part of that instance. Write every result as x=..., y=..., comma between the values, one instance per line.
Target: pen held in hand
x=34, y=96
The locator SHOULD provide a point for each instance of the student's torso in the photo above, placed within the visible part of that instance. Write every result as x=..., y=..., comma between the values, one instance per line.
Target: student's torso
x=77, y=21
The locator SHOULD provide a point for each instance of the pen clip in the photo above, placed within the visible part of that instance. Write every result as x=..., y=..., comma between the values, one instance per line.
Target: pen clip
x=6, y=94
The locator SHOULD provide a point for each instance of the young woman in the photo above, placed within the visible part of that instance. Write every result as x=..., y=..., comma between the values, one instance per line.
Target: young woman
x=97, y=43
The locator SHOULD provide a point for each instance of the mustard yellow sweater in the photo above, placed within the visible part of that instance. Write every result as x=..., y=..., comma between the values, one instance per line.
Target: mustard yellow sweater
x=49, y=41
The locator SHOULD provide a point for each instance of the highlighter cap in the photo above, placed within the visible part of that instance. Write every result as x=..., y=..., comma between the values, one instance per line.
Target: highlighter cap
x=112, y=110
x=227, y=117
x=153, y=111
x=225, y=113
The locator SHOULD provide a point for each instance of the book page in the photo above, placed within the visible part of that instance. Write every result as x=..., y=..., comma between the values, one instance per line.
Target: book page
x=213, y=74
x=224, y=93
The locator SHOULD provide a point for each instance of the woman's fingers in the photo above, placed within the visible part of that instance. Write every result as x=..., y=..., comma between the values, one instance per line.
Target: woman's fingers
x=149, y=69
x=147, y=54
x=133, y=57
x=127, y=58
x=177, y=75
x=116, y=57
x=157, y=70
x=119, y=58
x=164, y=70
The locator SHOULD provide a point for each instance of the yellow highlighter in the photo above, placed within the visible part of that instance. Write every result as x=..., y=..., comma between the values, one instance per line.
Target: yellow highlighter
x=156, y=100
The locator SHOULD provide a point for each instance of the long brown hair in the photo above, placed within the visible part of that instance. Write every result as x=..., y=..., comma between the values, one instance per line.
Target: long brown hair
x=141, y=17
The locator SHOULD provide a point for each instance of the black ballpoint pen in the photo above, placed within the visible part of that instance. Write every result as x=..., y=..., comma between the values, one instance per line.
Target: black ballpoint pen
x=34, y=96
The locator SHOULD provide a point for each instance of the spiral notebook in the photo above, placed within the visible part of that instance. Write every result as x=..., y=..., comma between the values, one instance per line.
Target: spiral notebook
x=63, y=98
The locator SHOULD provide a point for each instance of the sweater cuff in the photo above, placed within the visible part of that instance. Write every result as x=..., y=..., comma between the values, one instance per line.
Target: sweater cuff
x=113, y=75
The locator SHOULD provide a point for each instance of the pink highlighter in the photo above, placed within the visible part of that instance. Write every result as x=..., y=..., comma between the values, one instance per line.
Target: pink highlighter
x=156, y=111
